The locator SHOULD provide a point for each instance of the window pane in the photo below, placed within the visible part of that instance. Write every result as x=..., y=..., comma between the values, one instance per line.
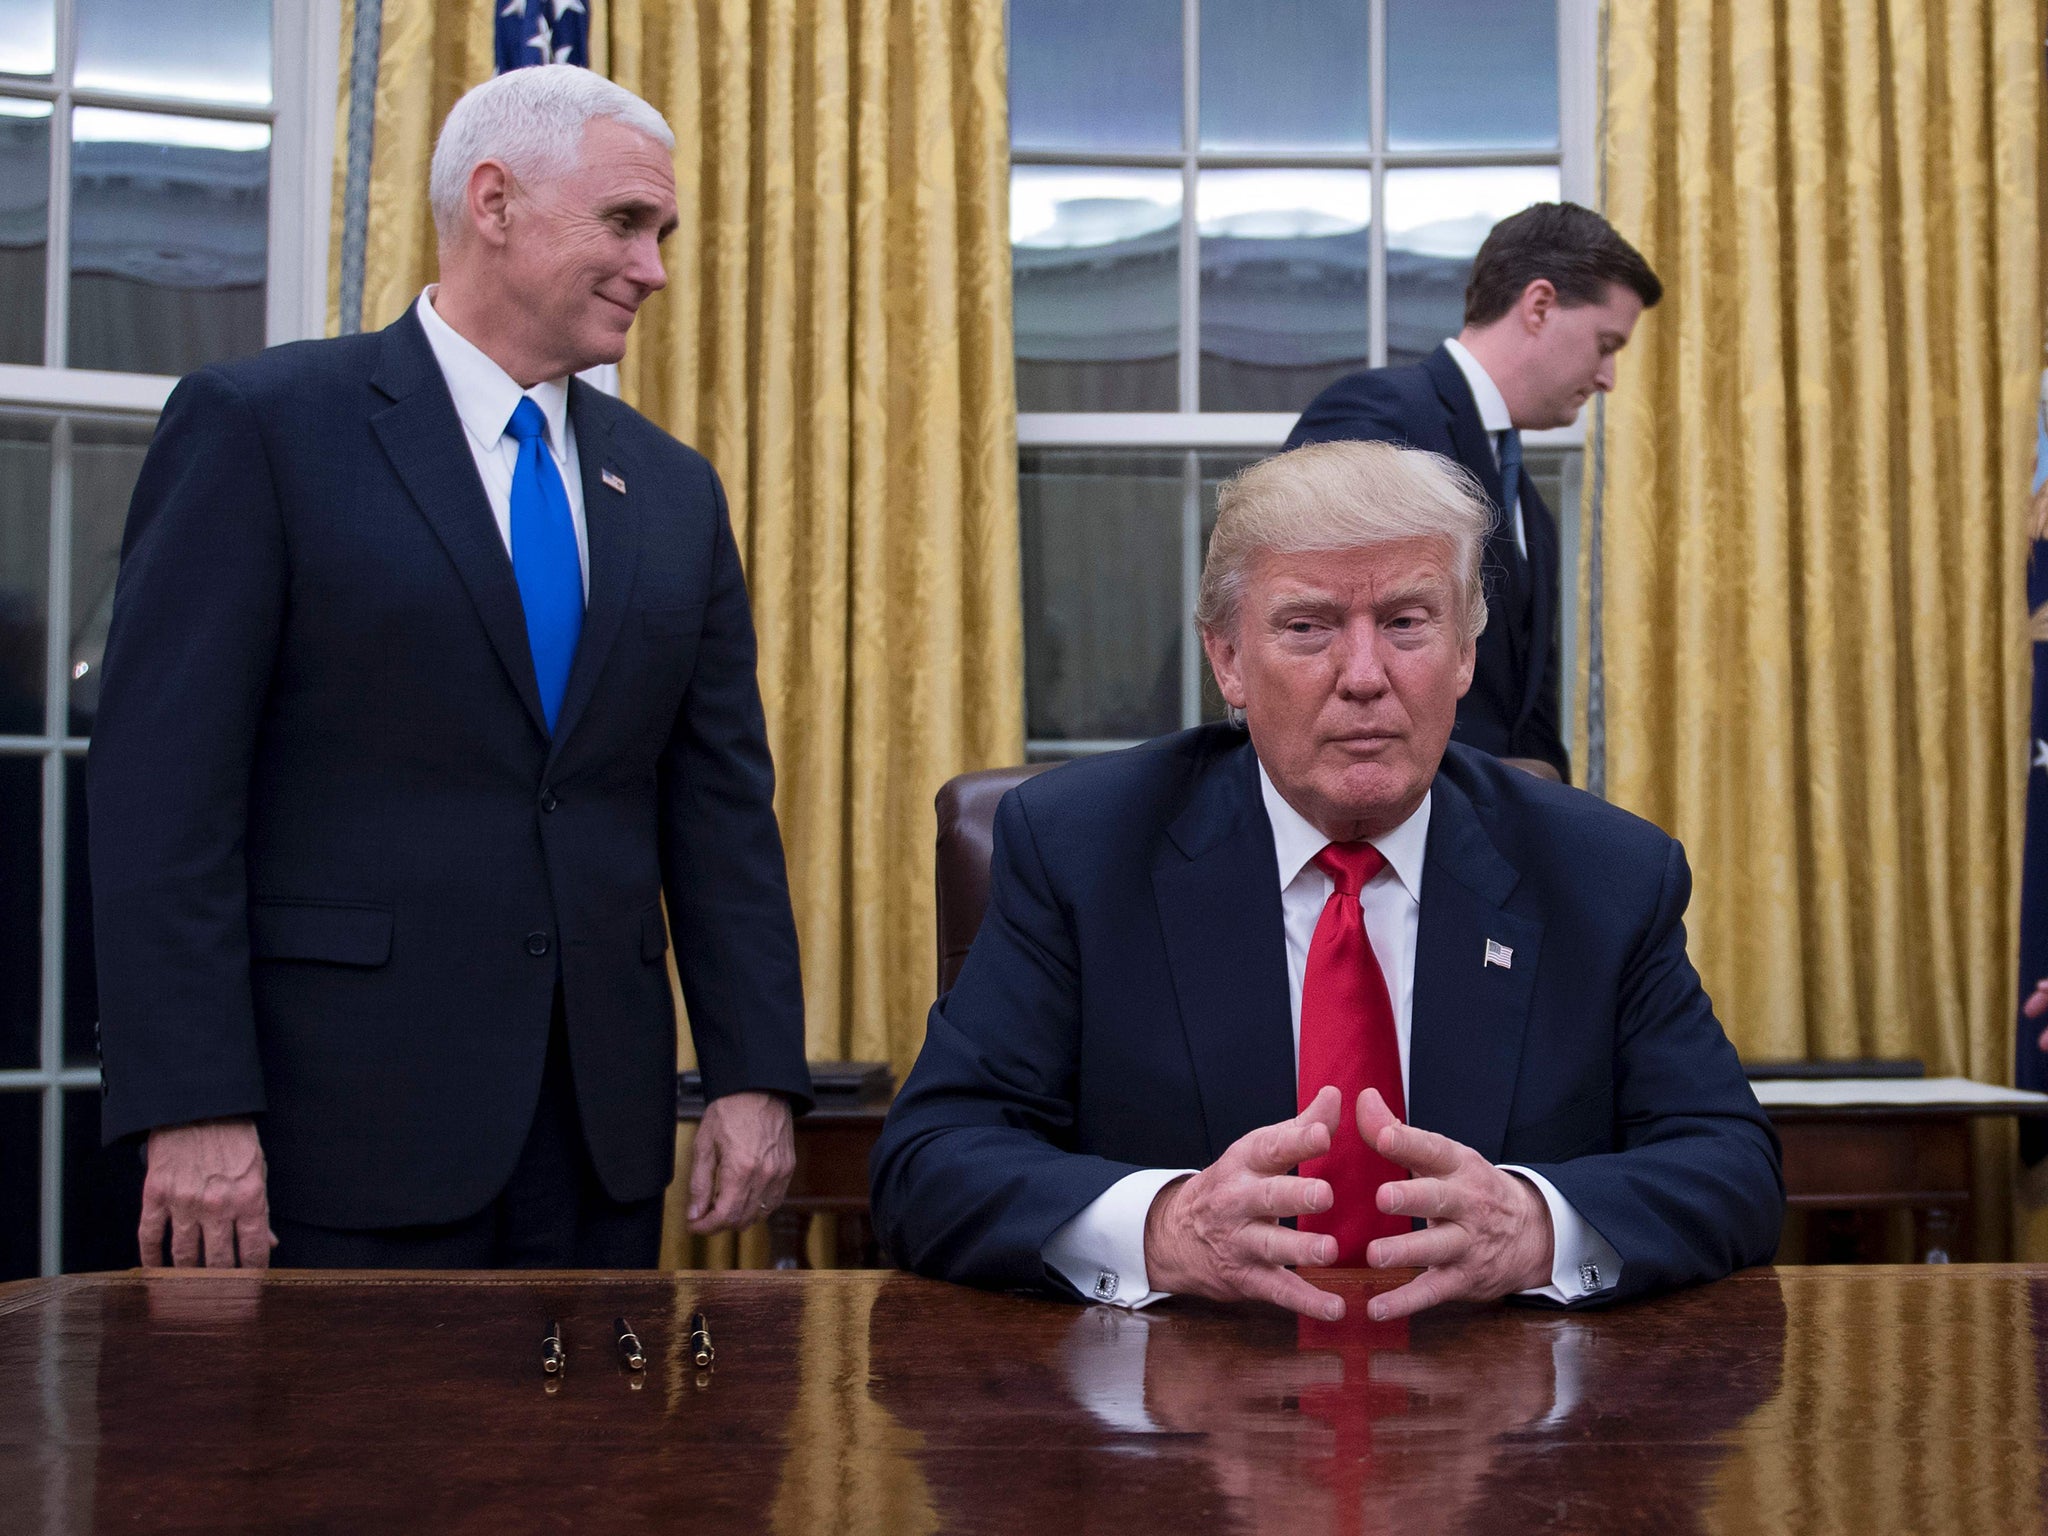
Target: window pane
x=21, y=1175
x=168, y=234
x=1085, y=75
x=1096, y=262
x=24, y=574
x=102, y=1191
x=1464, y=73
x=105, y=459
x=24, y=226
x=1435, y=223
x=21, y=912
x=1104, y=614
x=1284, y=74
x=1216, y=468
x=193, y=50
x=1284, y=259
x=81, y=984
x=28, y=37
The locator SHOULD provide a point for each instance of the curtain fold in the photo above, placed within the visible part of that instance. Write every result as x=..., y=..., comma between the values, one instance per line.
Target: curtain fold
x=1812, y=524
x=835, y=337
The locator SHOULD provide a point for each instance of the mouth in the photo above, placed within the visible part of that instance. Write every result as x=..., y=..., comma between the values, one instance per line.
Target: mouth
x=628, y=310
x=1364, y=743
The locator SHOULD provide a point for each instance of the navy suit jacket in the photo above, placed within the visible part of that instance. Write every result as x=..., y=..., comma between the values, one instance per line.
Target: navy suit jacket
x=1513, y=706
x=1125, y=1006
x=338, y=863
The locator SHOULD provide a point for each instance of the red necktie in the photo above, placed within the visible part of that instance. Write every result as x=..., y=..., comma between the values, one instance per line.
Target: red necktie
x=1347, y=1038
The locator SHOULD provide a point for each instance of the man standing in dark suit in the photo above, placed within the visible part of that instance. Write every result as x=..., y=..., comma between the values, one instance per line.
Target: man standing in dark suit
x=1555, y=293
x=1241, y=975
x=430, y=675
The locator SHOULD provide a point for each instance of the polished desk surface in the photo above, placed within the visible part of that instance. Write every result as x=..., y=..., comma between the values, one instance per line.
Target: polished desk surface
x=1832, y=1399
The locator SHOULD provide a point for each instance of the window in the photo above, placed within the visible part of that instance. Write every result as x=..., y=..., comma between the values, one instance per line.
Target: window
x=1217, y=207
x=163, y=192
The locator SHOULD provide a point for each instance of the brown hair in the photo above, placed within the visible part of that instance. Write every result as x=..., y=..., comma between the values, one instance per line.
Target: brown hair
x=1573, y=247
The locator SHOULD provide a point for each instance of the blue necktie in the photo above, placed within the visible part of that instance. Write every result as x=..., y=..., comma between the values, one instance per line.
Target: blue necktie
x=1510, y=483
x=544, y=559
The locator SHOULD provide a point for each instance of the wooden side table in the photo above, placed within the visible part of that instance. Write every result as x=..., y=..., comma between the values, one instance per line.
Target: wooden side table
x=832, y=1146
x=1857, y=1146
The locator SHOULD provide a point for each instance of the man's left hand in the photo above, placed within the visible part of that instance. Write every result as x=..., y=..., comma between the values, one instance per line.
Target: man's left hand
x=1489, y=1231
x=741, y=1161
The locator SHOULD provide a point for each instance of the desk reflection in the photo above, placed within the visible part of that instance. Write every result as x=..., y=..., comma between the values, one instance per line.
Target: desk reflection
x=1249, y=1420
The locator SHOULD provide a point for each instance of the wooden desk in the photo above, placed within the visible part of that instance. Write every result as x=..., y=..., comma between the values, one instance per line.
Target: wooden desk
x=1874, y=1400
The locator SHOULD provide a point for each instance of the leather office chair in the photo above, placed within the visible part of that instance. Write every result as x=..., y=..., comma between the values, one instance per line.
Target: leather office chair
x=966, y=806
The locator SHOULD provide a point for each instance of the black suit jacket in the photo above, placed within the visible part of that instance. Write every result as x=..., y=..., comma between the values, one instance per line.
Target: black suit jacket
x=1125, y=1006
x=338, y=863
x=1512, y=708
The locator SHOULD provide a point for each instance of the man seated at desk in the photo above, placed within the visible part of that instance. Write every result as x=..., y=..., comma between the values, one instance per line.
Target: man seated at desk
x=1326, y=968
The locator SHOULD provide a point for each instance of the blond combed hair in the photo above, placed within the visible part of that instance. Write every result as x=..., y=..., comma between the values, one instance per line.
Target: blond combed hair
x=1326, y=497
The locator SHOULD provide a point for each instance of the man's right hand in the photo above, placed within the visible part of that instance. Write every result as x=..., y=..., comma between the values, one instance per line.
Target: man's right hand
x=1218, y=1234
x=206, y=1187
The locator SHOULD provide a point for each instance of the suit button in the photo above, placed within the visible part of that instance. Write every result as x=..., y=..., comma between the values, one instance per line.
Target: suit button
x=536, y=943
x=547, y=800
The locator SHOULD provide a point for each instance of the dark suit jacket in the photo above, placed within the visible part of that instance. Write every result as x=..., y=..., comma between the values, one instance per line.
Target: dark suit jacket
x=1125, y=1006
x=338, y=864
x=1512, y=709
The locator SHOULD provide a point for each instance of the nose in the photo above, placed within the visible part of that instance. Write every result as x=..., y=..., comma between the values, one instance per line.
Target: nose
x=645, y=268
x=1603, y=376
x=1361, y=674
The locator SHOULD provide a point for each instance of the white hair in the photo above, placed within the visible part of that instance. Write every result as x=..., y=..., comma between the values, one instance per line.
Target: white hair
x=530, y=121
x=1339, y=496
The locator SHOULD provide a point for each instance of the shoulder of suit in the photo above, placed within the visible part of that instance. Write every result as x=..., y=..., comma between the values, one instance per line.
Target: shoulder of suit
x=1573, y=824
x=296, y=370
x=645, y=439
x=1111, y=791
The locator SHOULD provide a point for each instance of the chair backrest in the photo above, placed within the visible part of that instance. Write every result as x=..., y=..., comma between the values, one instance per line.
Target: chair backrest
x=967, y=819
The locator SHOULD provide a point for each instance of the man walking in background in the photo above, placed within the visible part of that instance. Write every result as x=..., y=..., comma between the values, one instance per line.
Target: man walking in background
x=431, y=673
x=1555, y=294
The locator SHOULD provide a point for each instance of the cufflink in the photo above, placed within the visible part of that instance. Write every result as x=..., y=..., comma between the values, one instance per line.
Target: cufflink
x=1589, y=1277
x=1106, y=1283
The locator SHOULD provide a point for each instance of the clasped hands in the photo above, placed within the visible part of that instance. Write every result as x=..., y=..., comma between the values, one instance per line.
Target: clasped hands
x=1217, y=1233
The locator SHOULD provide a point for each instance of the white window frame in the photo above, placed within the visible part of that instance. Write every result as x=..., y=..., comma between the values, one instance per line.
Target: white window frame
x=305, y=42
x=1578, y=43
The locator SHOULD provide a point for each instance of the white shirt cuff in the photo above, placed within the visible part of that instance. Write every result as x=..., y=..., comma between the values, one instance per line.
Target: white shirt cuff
x=1583, y=1263
x=1101, y=1252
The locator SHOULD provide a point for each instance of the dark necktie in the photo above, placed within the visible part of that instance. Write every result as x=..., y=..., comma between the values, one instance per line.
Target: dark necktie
x=544, y=558
x=1510, y=485
x=1347, y=1038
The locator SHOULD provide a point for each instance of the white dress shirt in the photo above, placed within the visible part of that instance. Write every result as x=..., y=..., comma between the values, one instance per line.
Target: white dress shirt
x=1494, y=417
x=485, y=396
x=1101, y=1252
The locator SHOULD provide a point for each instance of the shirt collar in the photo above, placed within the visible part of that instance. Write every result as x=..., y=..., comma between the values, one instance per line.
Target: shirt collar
x=1493, y=407
x=1296, y=841
x=485, y=394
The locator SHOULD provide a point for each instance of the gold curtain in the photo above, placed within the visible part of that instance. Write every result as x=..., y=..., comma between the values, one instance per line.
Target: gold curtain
x=836, y=338
x=1812, y=534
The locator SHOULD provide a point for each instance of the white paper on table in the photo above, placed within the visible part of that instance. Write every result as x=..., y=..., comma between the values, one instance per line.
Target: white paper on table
x=1904, y=1092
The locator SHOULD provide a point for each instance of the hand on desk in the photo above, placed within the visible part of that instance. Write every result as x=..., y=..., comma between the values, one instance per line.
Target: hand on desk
x=2036, y=1005
x=206, y=1185
x=1489, y=1231
x=1217, y=1233
x=741, y=1161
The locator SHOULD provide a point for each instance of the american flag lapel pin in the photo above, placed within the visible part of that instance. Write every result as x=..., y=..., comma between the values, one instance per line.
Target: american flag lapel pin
x=613, y=478
x=1498, y=954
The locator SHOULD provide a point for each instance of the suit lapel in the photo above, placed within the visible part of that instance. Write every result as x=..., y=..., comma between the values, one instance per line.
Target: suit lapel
x=1468, y=1019
x=611, y=521
x=1218, y=891
x=423, y=437
x=1468, y=433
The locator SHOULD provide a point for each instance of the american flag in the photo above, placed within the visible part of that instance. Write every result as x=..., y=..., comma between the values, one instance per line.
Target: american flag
x=542, y=32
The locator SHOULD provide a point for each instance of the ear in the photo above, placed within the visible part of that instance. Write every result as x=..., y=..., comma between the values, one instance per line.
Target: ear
x=1538, y=304
x=1468, y=661
x=490, y=201
x=1221, y=649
